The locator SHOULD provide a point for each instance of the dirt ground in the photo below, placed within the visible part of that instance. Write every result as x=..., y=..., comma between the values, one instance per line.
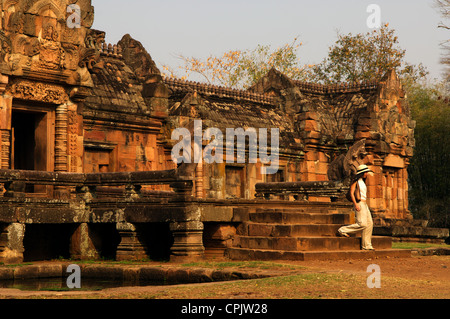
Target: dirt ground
x=420, y=277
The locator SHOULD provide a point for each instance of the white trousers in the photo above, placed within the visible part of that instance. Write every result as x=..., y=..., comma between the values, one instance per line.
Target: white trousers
x=364, y=223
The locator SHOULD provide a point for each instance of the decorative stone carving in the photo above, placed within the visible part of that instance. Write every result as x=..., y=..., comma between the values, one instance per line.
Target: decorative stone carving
x=4, y=148
x=94, y=39
x=42, y=92
x=345, y=165
x=72, y=135
x=5, y=46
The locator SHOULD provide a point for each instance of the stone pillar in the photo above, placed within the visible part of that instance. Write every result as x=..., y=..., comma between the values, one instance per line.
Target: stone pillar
x=74, y=160
x=402, y=185
x=61, y=147
x=5, y=124
x=407, y=213
x=187, y=241
x=11, y=243
x=5, y=149
x=395, y=203
x=199, y=180
x=130, y=247
x=81, y=245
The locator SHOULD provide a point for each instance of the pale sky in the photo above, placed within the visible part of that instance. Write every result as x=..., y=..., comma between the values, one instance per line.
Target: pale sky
x=201, y=28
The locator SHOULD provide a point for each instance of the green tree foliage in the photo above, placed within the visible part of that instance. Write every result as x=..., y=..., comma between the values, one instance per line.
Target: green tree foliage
x=429, y=171
x=365, y=57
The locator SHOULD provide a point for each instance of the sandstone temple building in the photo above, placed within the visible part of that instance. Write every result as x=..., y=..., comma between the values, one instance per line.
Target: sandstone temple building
x=85, y=153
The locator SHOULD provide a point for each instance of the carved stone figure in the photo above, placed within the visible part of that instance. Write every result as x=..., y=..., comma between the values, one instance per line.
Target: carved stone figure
x=344, y=166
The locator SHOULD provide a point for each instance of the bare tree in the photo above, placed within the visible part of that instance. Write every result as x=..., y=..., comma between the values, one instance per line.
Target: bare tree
x=444, y=8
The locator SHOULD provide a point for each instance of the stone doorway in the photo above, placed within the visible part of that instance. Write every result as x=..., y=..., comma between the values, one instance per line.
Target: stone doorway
x=32, y=141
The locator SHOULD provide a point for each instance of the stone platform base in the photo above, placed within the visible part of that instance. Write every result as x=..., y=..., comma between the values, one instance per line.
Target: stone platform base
x=265, y=254
x=414, y=230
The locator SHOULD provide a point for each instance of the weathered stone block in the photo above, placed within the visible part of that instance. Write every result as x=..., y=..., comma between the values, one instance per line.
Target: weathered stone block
x=152, y=274
x=394, y=161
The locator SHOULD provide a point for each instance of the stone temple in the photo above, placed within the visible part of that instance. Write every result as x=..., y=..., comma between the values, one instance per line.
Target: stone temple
x=85, y=154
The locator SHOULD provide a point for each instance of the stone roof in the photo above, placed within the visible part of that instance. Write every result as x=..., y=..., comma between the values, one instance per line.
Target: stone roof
x=178, y=86
x=274, y=102
x=116, y=91
x=223, y=111
x=336, y=107
x=338, y=113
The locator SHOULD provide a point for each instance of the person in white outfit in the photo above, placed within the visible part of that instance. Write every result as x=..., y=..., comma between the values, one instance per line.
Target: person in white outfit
x=364, y=221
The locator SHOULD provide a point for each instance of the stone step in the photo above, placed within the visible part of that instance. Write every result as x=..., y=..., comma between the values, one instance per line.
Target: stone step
x=309, y=243
x=400, y=222
x=277, y=230
x=419, y=232
x=293, y=217
x=236, y=253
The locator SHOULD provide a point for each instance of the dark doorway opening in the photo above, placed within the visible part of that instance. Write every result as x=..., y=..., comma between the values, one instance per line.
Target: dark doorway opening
x=157, y=240
x=24, y=127
x=29, y=144
x=105, y=239
x=47, y=241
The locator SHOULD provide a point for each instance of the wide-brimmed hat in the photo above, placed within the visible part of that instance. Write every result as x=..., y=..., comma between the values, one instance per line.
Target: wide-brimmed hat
x=363, y=169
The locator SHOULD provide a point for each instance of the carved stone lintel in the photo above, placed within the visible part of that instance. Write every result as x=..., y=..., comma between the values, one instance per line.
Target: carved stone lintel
x=36, y=91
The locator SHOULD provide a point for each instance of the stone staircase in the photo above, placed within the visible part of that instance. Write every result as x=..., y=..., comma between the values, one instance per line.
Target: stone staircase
x=302, y=234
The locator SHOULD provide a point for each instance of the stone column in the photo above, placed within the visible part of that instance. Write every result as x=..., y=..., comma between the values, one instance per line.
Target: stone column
x=5, y=149
x=199, y=180
x=5, y=124
x=130, y=247
x=187, y=241
x=81, y=246
x=187, y=230
x=5, y=130
x=395, y=202
x=11, y=243
x=376, y=190
x=407, y=213
x=61, y=147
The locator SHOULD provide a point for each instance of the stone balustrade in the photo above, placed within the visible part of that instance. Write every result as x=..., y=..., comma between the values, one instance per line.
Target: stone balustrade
x=15, y=181
x=19, y=209
x=334, y=190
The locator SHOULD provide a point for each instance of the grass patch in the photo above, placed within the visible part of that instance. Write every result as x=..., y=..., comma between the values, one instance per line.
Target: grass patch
x=411, y=245
x=241, y=264
x=15, y=265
